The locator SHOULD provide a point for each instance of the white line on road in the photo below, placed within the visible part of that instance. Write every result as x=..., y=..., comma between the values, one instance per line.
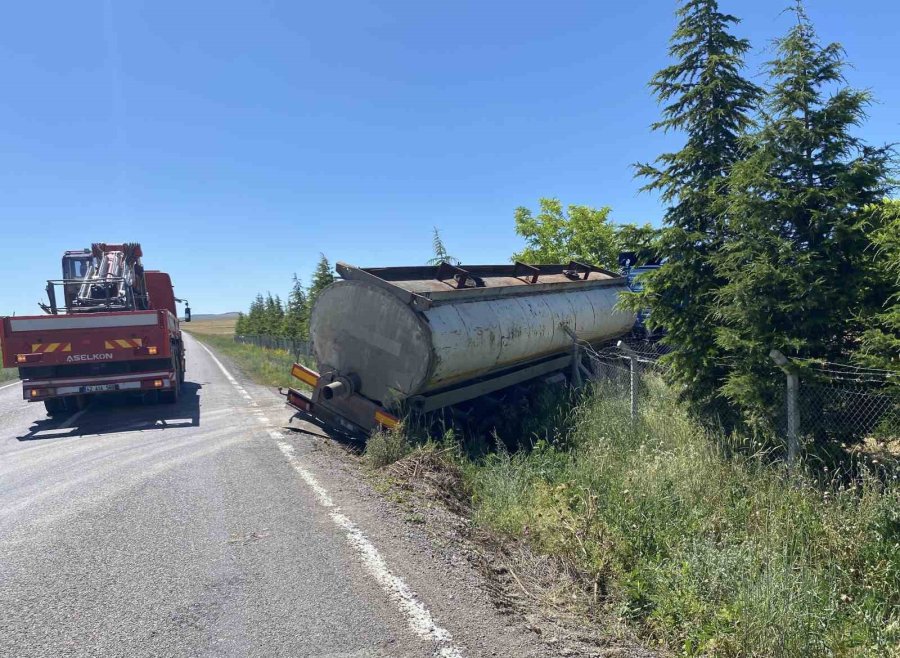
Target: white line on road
x=71, y=419
x=9, y=385
x=417, y=615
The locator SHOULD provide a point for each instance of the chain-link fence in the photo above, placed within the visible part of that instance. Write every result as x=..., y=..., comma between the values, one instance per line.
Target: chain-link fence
x=296, y=347
x=840, y=402
x=820, y=401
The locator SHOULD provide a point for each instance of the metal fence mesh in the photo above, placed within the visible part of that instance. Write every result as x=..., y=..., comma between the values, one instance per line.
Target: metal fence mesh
x=295, y=347
x=834, y=401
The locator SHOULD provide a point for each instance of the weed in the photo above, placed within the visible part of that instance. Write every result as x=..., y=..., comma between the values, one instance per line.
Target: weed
x=697, y=540
x=385, y=447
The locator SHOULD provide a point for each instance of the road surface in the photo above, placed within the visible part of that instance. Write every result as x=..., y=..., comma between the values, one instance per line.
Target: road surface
x=208, y=529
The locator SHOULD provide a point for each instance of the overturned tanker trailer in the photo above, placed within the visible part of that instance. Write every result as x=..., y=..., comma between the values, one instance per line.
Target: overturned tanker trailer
x=397, y=340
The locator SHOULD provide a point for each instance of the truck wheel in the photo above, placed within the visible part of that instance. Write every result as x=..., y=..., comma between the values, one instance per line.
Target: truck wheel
x=56, y=406
x=171, y=396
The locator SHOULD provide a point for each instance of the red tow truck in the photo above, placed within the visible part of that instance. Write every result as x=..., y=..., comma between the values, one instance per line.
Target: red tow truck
x=115, y=330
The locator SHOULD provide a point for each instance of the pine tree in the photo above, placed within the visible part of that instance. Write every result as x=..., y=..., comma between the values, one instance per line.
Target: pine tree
x=296, y=315
x=440, y=251
x=796, y=268
x=240, y=326
x=707, y=99
x=322, y=278
x=273, y=316
x=256, y=316
x=880, y=341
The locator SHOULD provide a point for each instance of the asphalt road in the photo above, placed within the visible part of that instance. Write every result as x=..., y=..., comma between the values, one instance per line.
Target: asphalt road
x=206, y=528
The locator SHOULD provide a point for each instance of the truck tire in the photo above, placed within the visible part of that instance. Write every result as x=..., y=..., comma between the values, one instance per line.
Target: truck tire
x=56, y=406
x=171, y=396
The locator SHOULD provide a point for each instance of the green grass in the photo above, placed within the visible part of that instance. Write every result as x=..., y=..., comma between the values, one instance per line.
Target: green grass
x=697, y=542
x=264, y=366
x=8, y=374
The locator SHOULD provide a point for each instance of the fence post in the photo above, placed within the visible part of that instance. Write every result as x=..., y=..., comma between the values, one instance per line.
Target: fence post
x=633, y=376
x=793, y=411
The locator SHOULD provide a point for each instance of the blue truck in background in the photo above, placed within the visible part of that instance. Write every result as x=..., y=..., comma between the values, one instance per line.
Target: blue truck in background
x=633, y=272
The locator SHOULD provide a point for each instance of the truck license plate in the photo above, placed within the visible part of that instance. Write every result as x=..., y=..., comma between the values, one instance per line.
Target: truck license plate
x=99, y=388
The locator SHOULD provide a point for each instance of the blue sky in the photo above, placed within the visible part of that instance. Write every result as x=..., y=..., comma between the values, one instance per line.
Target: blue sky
x=237, y=140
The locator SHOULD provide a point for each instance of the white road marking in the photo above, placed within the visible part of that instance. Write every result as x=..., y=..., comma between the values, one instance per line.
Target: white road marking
x=71, y=419
x=417, y=615
x=15, y=383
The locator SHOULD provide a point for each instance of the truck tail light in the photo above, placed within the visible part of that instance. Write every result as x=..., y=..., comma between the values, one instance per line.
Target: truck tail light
x=297, y=400
x=152, y=350
x=157, y=383
x=29, y=358
x=385, y=419
x=305, y=375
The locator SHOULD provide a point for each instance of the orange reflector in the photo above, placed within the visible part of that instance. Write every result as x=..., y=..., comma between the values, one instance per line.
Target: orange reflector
x=21, y=358
x=157, y=383
x=34, y=392
x=151, y=350
x=305, y=375
x=386, y=420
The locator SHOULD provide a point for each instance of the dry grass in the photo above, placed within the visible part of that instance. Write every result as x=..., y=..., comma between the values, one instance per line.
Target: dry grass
x=218, y=327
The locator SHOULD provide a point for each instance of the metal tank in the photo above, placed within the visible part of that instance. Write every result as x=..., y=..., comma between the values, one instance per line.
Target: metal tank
x=433, y=336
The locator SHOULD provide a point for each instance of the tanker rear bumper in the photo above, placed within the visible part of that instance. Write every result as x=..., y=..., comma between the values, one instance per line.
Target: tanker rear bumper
x=324, y=417
x=59, y=387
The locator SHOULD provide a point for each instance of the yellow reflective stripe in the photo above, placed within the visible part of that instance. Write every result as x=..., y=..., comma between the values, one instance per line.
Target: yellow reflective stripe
x=139, y=342
x=109, y=345
x=123, y=343
x=386, y=419
x=51, y=348
x=305, y=375
x=67, y=347
x=35, y=347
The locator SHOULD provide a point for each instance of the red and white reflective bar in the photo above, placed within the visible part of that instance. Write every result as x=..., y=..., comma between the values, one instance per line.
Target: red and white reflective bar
x=100, y=380
x=133, y=382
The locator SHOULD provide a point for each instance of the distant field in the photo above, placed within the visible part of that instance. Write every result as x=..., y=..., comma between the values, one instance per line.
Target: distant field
x=212, y=327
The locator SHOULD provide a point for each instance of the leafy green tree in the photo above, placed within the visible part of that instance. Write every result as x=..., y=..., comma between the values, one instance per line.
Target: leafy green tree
x=706, y=98
x=555, y=235
x=440, y=251
x=322, y=278
x=296, y=314
x=796, y=268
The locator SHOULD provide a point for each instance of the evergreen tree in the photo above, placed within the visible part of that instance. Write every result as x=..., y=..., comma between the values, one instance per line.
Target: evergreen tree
x=796, y=268
x=705, y=97
x=255, y=323
x=322, y=278
x=296, y=315
x=240, y=327
x=440, y=251
x=880, y=343
x=273, y=316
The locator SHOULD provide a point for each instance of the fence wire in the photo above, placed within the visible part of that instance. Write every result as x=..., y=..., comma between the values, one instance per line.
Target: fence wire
x=835, y=401
x=296, y=347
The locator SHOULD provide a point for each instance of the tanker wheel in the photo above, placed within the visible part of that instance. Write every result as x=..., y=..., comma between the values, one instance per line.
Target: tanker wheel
x=56, y=406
